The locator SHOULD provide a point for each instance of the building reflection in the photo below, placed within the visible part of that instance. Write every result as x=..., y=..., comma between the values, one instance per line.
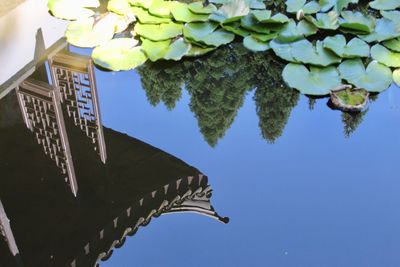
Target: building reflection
x=132, y=182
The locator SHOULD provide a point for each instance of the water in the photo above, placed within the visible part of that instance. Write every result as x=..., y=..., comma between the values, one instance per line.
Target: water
x=303, y=185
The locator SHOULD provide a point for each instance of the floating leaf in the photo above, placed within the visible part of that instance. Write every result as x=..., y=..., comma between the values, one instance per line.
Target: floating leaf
x=257, y=4
x=203, y=32
x=393, y=44
x=355, y=48
x=338, y=5
x=155, y=50
x=119, y=54
x=350, y=100
x=385, y=56
x=141, y=3
x=159, y=32
x=72, y=9
x=264, y=16
x=146, y=18
x=396, y=77
x=199, y=8
x=385, y=29
x=198, y=50
x=384, y=4
x=264, y=37
x=316, y=81
x=87, y=33
x=236, y=28
x=177, y=49
x=292, y=31
x=121, y=7
x=393, y=15
x=283, y=50
x=231, y=11
x=181, y=12
x=356, y=22
x=293, y=6
x=328, y=21
x=249, y=22
x=254, y=44
x=160, y=8
x=376, y=78
x=305, y=52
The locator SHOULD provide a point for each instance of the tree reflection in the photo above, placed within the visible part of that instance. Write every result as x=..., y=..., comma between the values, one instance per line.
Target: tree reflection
x=351, y=121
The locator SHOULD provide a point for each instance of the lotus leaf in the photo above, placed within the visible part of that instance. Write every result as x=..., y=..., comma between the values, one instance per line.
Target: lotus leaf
x=159, y=32
x=305, y=52
x=254, y=44
x=328, y=21
x=264, y=16
x=316, y=81
x=199, y=8
x=385, y=29
x=119, y=54
x=146, y=18
x=356, y=22
x=376, y=78
x=87, y=33
x=385, y=56
x=236, y=28
x=161, y=8
x=181, y=12
x=393, y=44
x=355, y=48
x=155, y=50
x=141, y=3
x=72, y=9
x=231, y=11
x=293, y=6
x=292, y=32
x=178, y=49
x=396, y=77
x=385, y=4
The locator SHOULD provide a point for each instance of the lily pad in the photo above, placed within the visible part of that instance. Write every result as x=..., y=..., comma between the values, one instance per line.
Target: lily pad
x=385, y=29
x=305, y=52
x=141, y=3
x=236, y=28
x=356, y=22
x=161, y=8
x=121, y=7
x=87, y=33
x=155, y=50
x=146, y=18
x=337, y=5
x=264, y=16
x=231, y=11
x=293, y=6
x=292, y=31
x=327, y=21
x=393, y=44
x=316, y=81
x=178, y=49
x=283, y=50
x=396, y=77
x=119, y=54
x=385, y=56
x=376, y=78
x=198, y=30
x=72, y=9
x=249, y=22
x=199, y=8
x=384, y=4
x=198, y=50
x=159, y=32
x=350, y=100
x=181, y=12
x=355, y=48
x=255, y=45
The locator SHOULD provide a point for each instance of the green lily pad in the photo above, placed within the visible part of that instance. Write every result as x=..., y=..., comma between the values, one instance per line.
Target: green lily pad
x=231, y=11
x=121, y=7
x=178, y=49
x=355, y=48
x=198, y=50
x=316, y=81
x=264, y=16
x=181, y=12
x=256, y=4
x=146, y=18
x=119, y=54
x=293, y=6
x=356, y=22
x=159, y=32
x=396, y=77
x=198, y=30
x=72, y=9
x=199, y=8
x=337, y=5
x=218, y=38
x=236, y=28
x=376, y=78
x=350, y=100
x=87, y=33
x=155, y=50
x=283, y=50
x=393, y=15
x=305, y=52
x=384, y=4
x=385, y=56
x=141, y=3
x=250, y=23
x=385, y=29
x=292, y=31
x=161, y=8
x=254, y=44
x=264, y=37
x=327, y=21
x=393, y=44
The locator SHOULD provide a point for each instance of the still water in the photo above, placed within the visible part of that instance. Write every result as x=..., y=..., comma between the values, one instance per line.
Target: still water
x=301, y=184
